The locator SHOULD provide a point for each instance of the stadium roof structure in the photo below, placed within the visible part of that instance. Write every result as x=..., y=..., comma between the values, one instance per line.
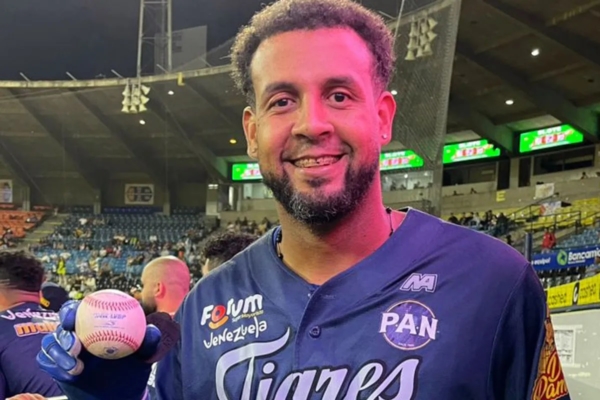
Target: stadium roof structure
x=518, y=66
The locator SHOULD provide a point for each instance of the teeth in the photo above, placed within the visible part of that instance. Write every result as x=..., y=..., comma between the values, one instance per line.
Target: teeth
x=314, y=162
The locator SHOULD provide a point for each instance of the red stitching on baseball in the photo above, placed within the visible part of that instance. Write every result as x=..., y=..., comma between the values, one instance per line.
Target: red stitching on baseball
x=101, y=336
x=111, y=305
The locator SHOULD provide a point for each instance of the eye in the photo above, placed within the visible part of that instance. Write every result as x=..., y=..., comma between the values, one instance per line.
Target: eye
x=339, y=97
x=281, y=103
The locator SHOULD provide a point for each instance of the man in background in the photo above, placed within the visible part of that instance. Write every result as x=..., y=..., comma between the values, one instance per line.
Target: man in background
x=221, y=247
x=23, y=323
x=165, y=283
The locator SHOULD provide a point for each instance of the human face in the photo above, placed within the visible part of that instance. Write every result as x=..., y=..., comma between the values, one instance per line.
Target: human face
x=319, y=122
x=148, y=295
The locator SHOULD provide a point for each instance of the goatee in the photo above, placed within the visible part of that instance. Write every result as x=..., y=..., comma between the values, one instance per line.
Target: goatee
x=318, y=208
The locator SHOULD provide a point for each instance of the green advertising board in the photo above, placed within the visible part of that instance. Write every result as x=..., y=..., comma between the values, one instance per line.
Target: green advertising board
x=245, y=172
x=468, y=151
x=555, y=136
x=399, y=160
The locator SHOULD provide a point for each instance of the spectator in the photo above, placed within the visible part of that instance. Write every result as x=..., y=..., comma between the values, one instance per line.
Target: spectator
x=548, y=241
x=221, y=247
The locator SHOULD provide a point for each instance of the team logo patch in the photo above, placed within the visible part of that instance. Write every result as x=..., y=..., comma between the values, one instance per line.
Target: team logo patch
x=550, y=383
x=218, y=315
x=418, y=282
x=409, y=325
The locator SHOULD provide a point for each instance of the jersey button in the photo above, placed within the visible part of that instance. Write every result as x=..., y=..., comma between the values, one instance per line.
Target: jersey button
x=315, y=332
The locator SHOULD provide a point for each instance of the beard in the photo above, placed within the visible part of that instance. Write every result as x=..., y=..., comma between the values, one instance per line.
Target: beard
x=148, y=307
x=317, y=208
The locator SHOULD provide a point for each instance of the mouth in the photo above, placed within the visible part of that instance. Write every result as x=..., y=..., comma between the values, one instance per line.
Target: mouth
x=316, y=162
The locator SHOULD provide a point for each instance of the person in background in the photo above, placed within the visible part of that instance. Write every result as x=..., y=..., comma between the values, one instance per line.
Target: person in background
x=23, y=323
x=221, y=247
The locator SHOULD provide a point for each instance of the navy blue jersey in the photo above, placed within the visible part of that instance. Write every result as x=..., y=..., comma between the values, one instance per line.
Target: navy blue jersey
x=437, y=312
x=21, y=331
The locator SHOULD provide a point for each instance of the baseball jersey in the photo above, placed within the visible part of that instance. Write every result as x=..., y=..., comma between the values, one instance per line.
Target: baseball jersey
x=437, y=312
x=21, y=331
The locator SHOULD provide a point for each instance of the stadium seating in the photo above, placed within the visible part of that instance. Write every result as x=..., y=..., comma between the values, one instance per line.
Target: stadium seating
x=20, y=222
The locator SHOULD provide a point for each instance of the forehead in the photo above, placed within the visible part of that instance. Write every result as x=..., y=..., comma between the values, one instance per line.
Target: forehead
x=309, y=56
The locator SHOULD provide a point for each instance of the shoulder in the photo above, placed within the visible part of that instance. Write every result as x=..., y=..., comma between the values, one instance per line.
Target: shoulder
x=472, y=253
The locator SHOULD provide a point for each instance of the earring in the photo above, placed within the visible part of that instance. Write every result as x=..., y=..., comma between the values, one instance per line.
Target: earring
x=384, y=136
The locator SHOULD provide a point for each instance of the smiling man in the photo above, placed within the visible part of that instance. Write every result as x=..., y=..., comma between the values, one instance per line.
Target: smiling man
x=346, y=299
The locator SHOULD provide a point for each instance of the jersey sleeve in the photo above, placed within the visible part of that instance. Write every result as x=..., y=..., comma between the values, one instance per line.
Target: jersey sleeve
x=525, y=362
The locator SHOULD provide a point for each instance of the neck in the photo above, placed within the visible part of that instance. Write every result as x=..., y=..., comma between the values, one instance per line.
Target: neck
x=319, y=255
x=169, y=306
x=14, y=299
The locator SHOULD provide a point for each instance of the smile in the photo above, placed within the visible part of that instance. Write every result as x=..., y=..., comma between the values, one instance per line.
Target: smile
x=313, y=162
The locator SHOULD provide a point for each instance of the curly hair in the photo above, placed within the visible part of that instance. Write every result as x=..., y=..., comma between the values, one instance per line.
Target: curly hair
x=222, y=247
x=291, y=15
x=20, y=270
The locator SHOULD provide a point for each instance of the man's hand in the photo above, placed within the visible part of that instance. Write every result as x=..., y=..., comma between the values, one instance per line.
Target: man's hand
x=84, y=376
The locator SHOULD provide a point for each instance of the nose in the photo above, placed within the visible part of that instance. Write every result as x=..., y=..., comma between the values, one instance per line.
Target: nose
x=313, y=118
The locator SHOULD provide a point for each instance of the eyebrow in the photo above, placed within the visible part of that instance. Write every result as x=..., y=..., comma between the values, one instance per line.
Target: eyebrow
x=285, y=86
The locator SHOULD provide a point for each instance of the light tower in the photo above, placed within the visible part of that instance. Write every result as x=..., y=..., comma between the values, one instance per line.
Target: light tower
x=156, y=30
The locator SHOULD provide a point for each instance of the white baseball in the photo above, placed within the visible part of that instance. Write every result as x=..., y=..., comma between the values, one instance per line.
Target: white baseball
x=110, y=324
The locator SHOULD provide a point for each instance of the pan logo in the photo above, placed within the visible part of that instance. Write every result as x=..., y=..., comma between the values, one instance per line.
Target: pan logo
x=409, y=325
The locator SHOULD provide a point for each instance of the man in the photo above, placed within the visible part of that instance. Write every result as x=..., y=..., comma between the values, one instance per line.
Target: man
x=165, y=283
x=23, y=322
x=347, y=299
x=221, y=247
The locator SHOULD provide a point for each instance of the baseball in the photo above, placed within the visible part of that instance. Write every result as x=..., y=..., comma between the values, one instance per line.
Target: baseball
x=110, y=324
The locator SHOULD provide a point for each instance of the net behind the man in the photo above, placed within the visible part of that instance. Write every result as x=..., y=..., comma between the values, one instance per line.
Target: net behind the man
x=425, y=41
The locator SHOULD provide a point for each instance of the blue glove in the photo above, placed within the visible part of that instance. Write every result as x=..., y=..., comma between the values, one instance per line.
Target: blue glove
x=83, y=376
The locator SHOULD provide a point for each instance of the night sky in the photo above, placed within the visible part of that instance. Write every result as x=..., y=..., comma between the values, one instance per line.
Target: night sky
x=45, y=38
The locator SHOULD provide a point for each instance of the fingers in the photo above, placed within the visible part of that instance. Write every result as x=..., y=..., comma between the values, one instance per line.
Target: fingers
x=56, y=360
x=67, y=315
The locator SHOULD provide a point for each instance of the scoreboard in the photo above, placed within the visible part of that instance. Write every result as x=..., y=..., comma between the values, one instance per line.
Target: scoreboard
x=556, y=136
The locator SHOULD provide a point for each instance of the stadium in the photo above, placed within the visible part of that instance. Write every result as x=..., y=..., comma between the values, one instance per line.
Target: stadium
x=497, y=130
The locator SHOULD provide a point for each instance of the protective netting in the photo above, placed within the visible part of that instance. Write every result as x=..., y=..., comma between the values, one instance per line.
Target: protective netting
x=425, y=42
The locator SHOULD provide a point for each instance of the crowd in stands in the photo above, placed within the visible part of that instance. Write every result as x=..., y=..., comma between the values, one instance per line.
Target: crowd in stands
x=93, y=252
x=496, y=225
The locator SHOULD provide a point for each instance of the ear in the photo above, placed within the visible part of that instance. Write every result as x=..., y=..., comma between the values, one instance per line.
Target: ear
x=249, y=122
x=386, y=109
x=159, y=290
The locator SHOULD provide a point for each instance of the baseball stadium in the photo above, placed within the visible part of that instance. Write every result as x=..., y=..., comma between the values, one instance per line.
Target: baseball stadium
x=138, y=168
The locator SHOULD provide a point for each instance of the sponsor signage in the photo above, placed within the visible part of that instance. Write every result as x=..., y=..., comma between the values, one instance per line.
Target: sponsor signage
x=579, y=257
x=555, y=136
x=581, y=293
x=468, y=151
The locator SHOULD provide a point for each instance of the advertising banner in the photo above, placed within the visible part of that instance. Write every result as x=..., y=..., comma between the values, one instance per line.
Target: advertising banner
x=579, y=257
x=581, y=293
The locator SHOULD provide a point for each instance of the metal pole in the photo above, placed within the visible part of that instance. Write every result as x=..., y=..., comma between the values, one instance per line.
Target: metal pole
x=140, y=39
x=169, y=35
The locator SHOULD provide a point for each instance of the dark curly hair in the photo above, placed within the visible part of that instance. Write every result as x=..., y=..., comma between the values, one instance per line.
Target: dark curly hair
x=221, y=247
x=291, y=15
x=20, y=270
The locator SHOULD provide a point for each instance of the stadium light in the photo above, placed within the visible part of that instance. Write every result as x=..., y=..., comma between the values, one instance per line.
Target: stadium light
x=509, y=102
x=394, y=92
x=420, y=38
x=135, y=98
x=535, y=52
x=142, y=122
x=232, y=141
x=170, y=93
